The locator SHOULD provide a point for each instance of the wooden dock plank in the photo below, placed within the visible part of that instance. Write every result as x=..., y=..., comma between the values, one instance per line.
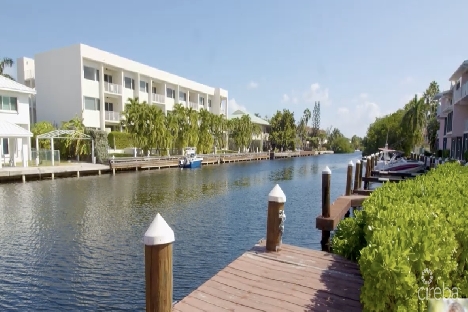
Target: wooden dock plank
x=293, y=279
x=338, y=210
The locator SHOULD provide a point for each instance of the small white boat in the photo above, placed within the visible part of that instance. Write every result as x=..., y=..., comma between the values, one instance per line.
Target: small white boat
x=393, y=160
x=190, y=160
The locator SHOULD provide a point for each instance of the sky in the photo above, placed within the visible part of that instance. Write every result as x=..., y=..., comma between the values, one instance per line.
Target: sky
x=360, y=59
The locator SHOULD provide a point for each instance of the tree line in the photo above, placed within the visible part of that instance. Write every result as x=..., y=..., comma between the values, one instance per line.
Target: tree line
x=149, y=128
x=414, y=125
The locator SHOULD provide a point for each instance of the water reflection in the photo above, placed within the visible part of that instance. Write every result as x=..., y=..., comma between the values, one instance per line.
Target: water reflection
x=76, y=244
x=286, y=173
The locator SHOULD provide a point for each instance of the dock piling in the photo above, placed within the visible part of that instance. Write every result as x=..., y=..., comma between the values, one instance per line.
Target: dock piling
x=158, y=241
x=275, y=218
x=357, y=173
x=326, y=179
x=349, y=183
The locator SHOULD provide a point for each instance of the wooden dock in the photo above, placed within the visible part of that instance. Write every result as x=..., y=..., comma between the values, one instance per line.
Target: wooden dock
x=293, y=279
x=12, y=174
x=148, y=163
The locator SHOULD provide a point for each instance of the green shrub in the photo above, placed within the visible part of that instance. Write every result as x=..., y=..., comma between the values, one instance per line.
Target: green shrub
x=122, y=140
x=405, y=228
x=445, y=153
x=101, y=146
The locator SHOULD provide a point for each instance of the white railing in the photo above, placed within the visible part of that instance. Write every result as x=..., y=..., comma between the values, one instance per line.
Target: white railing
x=457, y=95
x=112, y=116
x=158, y=98
x=464, y=90
x=112, y=88
x=193, y=105
x=29, y=74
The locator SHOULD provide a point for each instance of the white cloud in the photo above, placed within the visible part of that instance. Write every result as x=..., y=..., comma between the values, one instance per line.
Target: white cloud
x=233, y=106
x=314, y=93
x=317, y=93
x=252, y=85
x=407, y=80
x=356, y=119
x=290, y=98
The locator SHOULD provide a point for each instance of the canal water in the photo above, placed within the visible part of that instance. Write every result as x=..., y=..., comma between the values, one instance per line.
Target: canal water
x=77, y=244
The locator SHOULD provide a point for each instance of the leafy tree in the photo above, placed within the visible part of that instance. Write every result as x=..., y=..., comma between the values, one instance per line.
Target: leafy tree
x=356, y=142
x=316, y=120
x=390, y=125
x=75, y=144
x=39, y=128
x=432, y=124
x=283, y=130
x=258, y=115
x=205, y=136
x=4, y=63
x=415, y=119
x=241, y=131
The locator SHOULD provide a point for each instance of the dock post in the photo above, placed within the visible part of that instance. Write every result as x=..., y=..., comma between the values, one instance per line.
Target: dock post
x=326, y=178
x=275, y=219
x=361, y=164
x=357, y=171
x=349, y=183
x=158, y=241
x=368, y=171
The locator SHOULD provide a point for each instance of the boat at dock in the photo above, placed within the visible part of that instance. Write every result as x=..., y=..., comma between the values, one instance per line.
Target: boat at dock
x=393, y=160
x=190, y=160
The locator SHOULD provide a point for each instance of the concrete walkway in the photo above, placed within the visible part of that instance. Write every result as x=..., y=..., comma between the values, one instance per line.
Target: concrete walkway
x=48, y=170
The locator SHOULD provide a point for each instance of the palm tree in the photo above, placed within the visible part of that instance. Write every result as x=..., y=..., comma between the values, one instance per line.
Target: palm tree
x=4, y=63
x=415, y=118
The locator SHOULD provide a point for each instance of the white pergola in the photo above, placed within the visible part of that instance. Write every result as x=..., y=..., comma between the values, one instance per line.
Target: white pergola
x=62, y=134
x=10, y=130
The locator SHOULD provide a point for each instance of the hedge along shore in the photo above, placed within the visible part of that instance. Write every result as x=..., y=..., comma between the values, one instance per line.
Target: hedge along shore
x=18, y=174
x=411, y=241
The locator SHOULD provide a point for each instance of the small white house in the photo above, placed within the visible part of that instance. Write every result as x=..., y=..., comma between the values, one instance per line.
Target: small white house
x=15, y=134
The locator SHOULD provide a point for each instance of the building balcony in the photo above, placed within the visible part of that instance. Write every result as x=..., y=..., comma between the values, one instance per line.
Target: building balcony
x=158, y=98
x=29, y=74
x=193, y=105
x=112, y=88
x=464, y=91
x=112, y=116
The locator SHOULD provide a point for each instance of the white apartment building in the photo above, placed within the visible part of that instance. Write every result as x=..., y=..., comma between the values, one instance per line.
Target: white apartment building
x=15, y=135
x=85, y=81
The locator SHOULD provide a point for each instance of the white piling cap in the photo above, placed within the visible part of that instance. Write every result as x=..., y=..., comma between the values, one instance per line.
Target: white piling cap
x=358, y=161
x=326, y=170
x=159, y=232
x=277, y=195
x=350, y=163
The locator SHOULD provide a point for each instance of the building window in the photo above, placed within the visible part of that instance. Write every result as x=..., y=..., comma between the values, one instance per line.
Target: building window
x=129, y=83
x=170, y=93
x=143, y=86
x=182, y=96
x=154, y=90
x=209, y=103
x=91, y=103
x=449, y=122
x=201, y=101
x=107, y=78
x=90, y=73
x=109, y=107
x=9, y=103
x=5, y=147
